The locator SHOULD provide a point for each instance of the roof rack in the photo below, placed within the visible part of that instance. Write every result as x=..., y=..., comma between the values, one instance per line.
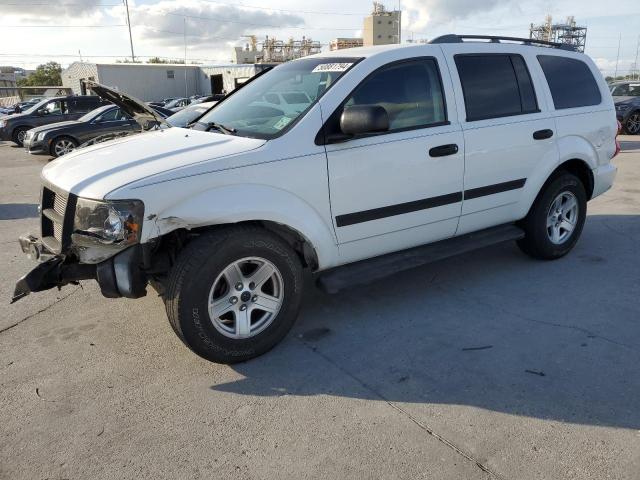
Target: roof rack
x=452, y=38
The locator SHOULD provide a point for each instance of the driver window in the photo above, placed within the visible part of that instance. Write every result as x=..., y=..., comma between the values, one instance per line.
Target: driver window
x=57, y=107
x=109, y=116
x=410, y=92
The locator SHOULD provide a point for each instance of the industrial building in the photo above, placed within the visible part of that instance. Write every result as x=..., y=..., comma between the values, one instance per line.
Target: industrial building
x=382, y=27
x=275, y=51
x=156, y=81
x=568, y=32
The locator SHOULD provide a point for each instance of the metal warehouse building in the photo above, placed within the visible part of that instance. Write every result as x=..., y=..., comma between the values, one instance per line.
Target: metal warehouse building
x=157, y=81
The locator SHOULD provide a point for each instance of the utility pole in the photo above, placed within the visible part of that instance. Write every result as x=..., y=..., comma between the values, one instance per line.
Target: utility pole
x=399, y=21
x=617, y=57
x=184, y=31
x=637, y=72
x=126, y=5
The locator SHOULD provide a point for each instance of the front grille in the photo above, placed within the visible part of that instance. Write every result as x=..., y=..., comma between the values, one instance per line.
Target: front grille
x=56, y=219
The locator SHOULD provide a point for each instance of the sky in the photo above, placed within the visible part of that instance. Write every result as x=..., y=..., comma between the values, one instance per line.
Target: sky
x=36, y=31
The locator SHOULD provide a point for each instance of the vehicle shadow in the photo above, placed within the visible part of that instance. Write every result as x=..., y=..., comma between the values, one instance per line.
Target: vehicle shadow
x=16, y=211
x=492, y=329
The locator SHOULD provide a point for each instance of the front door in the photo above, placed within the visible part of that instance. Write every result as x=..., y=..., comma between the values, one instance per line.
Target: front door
x=402, y=187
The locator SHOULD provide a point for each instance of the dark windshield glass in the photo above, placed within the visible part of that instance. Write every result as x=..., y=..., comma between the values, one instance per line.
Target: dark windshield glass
x=258, y=111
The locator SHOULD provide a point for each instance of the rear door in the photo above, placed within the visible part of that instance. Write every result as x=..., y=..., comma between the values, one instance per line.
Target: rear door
x=401, y=187
x=508, y=129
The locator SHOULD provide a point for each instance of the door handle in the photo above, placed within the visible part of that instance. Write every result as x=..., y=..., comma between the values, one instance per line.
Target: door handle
x=543, y=134
x=444, y=150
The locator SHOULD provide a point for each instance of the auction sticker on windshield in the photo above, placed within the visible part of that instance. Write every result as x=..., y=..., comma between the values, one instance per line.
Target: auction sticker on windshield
x=331, y=67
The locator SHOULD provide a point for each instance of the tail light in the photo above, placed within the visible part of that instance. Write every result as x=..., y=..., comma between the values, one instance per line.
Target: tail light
x=616, y=140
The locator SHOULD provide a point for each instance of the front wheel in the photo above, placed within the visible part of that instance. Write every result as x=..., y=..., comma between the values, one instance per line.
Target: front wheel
x=555, y=221
x=18, y=136
x=234, y=294
x=62, y=145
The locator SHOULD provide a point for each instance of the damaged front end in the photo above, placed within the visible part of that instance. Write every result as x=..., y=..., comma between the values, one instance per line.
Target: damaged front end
x=86, y=239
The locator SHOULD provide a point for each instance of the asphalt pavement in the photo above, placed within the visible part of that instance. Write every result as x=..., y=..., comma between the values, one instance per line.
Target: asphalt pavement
x=488, y=365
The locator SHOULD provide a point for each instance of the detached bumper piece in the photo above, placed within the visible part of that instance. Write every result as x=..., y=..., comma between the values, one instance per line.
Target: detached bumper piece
x=120, y=276
x=52, y=273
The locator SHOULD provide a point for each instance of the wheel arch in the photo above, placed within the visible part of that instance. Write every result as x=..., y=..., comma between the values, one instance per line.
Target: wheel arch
x=576, y=166
x=281, y=212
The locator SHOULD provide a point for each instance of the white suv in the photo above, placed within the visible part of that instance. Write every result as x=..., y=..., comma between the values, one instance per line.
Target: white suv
x=403, y=155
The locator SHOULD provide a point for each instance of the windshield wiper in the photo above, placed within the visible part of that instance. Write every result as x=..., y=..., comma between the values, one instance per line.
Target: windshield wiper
x=220, y=128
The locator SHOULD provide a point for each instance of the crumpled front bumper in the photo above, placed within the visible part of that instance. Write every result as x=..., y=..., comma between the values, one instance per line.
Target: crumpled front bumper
x=119, y=276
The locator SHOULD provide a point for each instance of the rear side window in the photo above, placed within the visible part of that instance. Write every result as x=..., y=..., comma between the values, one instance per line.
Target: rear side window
x=570, y=81
x=495, y=86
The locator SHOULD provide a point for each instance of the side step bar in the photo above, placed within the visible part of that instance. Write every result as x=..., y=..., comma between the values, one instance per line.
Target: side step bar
x=372, y=269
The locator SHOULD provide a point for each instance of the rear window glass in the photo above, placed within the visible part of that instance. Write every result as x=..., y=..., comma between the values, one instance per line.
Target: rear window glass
x=570, y=81
x=495, y=86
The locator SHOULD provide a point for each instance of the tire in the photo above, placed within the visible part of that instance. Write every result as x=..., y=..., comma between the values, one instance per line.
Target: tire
x=18, y=134
x=201, y=274
x=632, y=124
x=550, y=242
x=62, y=145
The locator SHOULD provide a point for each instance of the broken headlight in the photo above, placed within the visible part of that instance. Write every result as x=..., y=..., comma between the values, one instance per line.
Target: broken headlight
x=116, y=223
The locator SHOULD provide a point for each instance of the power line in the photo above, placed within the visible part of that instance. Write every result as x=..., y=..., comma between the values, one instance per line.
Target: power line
x=226, y=20
x=64, y=26
x=311, y=12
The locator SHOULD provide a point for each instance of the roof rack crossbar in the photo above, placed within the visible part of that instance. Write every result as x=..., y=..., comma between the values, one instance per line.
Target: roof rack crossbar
x=452, y=38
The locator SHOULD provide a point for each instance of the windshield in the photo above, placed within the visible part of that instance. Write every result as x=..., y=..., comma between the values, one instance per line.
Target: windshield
x=189, y=114
x=626, y=90
x=87, y=117
x=36, y=106
x=275, y=100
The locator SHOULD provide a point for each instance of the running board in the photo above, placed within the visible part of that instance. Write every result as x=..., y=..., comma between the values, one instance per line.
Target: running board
x=372, y=269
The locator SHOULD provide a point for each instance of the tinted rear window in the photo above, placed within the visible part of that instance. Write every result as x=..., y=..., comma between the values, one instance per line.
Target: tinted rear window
x=495, y=86
x=570, y=81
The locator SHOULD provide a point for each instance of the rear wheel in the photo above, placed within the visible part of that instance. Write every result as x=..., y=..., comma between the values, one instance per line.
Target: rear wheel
x=19, y=135
x=632, y=124
x=234, y=294
x=556, y=219
x=62, y=145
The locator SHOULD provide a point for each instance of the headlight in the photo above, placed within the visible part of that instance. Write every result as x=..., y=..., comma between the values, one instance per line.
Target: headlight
x=115, y=224
x=40, y=137
x=3, y=123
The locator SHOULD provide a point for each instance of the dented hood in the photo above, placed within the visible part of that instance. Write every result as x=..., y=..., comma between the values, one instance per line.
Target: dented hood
x=95, y=171
x=146, y=117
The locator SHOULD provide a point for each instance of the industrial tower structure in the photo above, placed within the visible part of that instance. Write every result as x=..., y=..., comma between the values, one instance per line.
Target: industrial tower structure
x=567, y=32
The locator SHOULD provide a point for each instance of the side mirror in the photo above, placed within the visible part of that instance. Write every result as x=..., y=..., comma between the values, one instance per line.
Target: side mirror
x=359, y=119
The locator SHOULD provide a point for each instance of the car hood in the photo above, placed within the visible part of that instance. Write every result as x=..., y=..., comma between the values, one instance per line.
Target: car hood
x=625, y=99
x=142, y=113
x=94, y=171
x=55, y=126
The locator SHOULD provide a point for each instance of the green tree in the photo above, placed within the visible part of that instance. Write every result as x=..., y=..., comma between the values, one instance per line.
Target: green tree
x=45, y=75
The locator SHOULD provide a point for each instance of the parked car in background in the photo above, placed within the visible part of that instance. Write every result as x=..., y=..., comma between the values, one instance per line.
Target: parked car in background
x=626, y=96
x=59, y=109
x=177, y=104
x=58, y=139
x=189, y=114
x=19, y=107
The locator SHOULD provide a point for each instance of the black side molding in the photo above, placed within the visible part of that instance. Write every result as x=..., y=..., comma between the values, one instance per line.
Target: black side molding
x=370, y=270
x=492, y=189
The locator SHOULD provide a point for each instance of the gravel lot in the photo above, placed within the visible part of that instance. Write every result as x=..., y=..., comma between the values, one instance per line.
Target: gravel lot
x=488, y=365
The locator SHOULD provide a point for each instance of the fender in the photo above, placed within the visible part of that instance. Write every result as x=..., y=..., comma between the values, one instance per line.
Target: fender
x=247, y=202
x=570, y=147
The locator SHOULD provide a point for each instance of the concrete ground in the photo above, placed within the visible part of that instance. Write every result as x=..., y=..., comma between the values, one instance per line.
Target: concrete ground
x=489, y=365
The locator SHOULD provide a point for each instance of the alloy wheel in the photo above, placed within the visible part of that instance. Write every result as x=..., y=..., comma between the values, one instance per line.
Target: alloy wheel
x=632, y=125
x=63, y=146
x=562, y=218
x=246, y=297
